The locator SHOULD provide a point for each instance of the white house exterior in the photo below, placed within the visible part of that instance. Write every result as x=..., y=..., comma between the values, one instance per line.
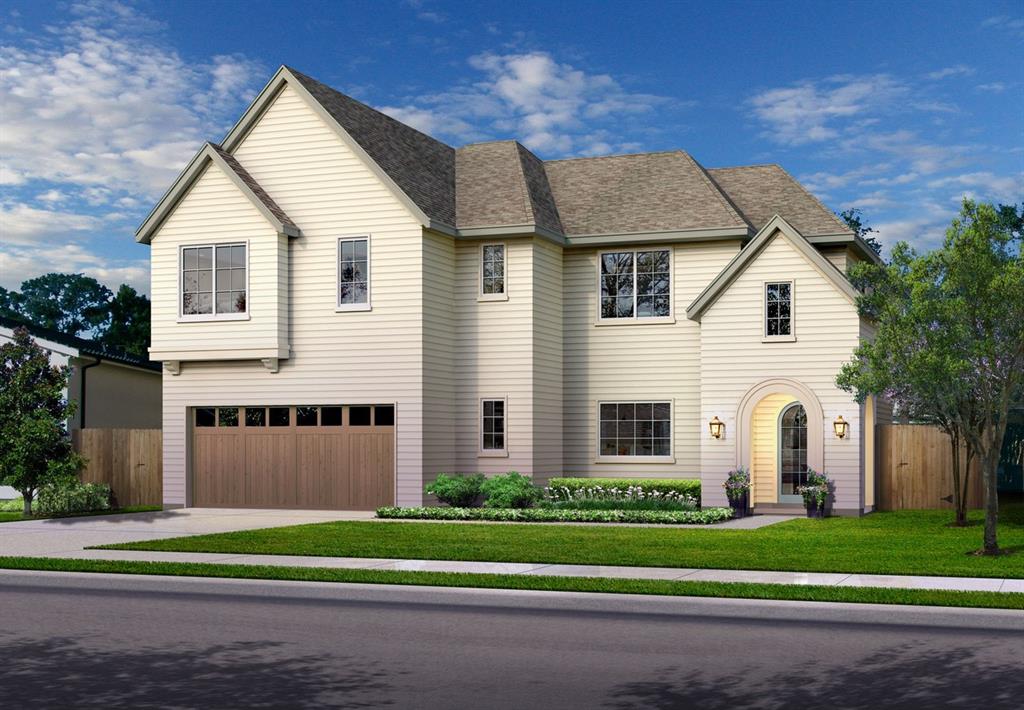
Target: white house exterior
x=346, y=307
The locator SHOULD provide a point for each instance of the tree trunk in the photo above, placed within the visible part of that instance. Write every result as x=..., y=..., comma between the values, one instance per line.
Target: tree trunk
x=992, y=444
x=958, y=499
x=26, y=499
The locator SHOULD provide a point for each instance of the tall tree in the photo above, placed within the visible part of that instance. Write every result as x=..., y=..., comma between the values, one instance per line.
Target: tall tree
x=129, y=322
x=9, y=303
x=70, y=303
x=34, y=443
x=854, y=219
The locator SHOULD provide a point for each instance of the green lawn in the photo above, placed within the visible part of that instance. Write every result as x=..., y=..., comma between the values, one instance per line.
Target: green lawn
x=905, y=542
x=867, y=595
x=8, y=517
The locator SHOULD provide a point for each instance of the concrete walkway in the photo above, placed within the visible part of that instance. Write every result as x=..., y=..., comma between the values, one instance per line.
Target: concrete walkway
x=67, y=538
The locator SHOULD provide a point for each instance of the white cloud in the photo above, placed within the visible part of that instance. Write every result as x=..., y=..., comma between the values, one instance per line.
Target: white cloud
x=552, y=107
x=23, y=224
x=20, y=263
x=1012, y=25
x=925, y=230
x=957, y=70
x=812, y=111
x=50, y=197
x=985, y=185
x=996, y=87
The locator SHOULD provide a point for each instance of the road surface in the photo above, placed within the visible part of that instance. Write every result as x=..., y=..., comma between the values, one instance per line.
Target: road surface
x=109, y=641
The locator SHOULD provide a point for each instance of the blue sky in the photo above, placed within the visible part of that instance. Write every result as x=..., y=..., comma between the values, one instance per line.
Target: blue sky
x=899, y=108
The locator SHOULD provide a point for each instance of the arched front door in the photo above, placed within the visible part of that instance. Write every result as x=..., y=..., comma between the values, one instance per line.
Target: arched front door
x=792, y=452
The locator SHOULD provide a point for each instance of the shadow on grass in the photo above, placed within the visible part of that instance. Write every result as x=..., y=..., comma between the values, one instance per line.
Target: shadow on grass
x=903, y=676
x=64, y=672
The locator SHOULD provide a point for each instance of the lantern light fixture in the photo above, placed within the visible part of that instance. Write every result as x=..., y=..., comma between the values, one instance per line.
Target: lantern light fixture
x=841, y=427
x=717, y=428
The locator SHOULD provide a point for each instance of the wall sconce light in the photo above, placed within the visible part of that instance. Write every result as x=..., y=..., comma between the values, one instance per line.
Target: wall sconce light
x=842, y=427
x=717, y=428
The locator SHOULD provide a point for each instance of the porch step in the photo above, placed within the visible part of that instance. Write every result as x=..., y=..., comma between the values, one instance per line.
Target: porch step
x=776, y=509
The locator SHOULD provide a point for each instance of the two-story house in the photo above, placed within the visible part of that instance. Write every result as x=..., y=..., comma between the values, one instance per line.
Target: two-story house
x=346, y=307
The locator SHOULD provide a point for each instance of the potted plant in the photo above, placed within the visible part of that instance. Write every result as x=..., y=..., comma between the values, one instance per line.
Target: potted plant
x=737, y=490
x=815, y=493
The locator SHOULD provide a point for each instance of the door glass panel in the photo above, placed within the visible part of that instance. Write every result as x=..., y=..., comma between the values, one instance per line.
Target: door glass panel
x=359, y=416
x=330, y=416
x=227, y=416
x=206, y=416
x=280, y=416
x=255, y=416
x=305, y=416
x=384, y=415
x=792, y=450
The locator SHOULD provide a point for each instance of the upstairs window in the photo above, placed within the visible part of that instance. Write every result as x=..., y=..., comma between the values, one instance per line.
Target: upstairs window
x=214, y=280
x=354, y=274
x=778, y=309
x=492, y=270
x=636, y=284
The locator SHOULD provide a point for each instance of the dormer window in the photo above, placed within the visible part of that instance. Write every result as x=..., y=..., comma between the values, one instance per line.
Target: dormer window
x=214, y=281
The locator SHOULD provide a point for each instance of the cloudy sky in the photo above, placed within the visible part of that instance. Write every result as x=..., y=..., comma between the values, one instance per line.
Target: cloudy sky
x=898, y=109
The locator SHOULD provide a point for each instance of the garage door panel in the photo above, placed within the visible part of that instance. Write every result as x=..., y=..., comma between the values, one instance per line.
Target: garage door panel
x=322, y=471
x=220, y=470
x=270, y=468
x=371, y=479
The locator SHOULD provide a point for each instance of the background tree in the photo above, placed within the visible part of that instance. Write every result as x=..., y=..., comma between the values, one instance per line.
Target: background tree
x=128, y=327
x=855, y=221
x=70, y=303
x=8, y=303
x=34, y=443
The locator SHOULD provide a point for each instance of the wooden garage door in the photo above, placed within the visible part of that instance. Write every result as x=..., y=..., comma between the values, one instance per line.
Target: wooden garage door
x=325, y=457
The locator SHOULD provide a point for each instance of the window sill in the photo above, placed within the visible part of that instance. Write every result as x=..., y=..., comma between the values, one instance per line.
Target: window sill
x=635, y=459
x=493, y=454
x=213, y=319
x=492, y=297
x=353, y=307
x=779, y=339
x=600, y=322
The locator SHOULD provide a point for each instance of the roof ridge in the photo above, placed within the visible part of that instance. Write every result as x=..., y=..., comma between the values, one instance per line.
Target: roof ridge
x=842, y=225
x=752, y=165
x=524, y=189
x=616, y=155
x=492, y=142
x=715, y=190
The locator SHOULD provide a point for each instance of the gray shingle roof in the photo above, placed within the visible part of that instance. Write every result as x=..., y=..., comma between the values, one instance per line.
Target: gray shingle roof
x=424, y=168
x=90, y=348
x=647, y=192
x=762, y=191
x=256, y=188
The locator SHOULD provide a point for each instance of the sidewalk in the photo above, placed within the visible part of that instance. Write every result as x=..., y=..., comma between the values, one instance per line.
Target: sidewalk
x=68, y=538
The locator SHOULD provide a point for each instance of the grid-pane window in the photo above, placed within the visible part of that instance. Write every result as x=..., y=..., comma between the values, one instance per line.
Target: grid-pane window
x=492, y=269
x=636, y=429
x=213, y=280
x=492, y=425
x=778, y=309
x=636, y=284
x=353, y=272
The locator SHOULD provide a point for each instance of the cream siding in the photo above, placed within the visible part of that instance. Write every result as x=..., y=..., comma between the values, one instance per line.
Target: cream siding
x=215, y=211
x=634, y=362
x=547, y=360
x=734, y=359
x=439, y=372
x=350, y=357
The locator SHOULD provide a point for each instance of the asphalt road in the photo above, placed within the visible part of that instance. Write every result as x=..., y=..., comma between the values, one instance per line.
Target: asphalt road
x=87, y=641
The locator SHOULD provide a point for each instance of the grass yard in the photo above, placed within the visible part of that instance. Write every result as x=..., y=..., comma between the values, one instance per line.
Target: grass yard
x=14, y=517
x=864, y=595
x=905, y=542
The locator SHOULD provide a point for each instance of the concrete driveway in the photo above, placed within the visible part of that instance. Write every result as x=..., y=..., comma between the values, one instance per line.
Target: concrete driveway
x=67, y=537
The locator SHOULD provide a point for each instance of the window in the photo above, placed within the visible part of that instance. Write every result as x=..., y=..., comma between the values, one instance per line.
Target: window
x=635, y=429
x=778, y=309
x=384, y=415
x=280, y=416
x=359, y=416
x=213, y=281
x=354, y=274
x=306, y=416
x=636, y=284
x=492, y=270
x=255, y=416
x=227, y=416
x=330, y=416
x=492, y=425
x=206, y=416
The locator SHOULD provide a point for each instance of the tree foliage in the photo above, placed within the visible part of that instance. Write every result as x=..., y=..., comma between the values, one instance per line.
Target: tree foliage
x=129, y=322
x=949, y=345
x=34, y=444
x=854, y=219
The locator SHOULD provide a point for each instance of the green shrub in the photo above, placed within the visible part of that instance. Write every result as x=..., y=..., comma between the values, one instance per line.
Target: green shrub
x=545, y=515
x=15, y=505
x=621, y=504
x=510, y=490
x=72, y=497
x=457, y=490
x=682, y=486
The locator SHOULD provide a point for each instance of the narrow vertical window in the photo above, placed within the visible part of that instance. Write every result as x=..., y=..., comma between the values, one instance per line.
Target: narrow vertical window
x=213, y=280
x=492, y=270
x=778, y=309
x=492, y=425
x=353, y=274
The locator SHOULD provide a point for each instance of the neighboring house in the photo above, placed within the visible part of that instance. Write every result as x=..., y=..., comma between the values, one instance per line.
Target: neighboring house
x=112, y=389
x=346, y=307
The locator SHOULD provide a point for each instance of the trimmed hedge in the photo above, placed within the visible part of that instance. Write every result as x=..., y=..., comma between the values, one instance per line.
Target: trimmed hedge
x=547, y=515
x=684, y=486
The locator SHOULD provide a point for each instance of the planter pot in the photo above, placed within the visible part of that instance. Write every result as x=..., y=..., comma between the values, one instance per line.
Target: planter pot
x=815, y=511
x=739, y=506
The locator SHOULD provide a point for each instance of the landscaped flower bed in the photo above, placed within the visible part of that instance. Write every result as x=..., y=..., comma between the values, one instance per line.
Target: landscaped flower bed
x=549, y=515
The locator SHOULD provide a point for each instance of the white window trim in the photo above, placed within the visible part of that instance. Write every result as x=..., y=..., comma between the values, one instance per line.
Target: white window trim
x=671, y=458
x=480, y=295
x=491, y=453
x=201, y=317
x=635, y=319
x=340, y=307
x=791, y=338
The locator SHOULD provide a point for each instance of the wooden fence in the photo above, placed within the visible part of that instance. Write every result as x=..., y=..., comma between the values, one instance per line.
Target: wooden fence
x=130, y=461
x=915, y=468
